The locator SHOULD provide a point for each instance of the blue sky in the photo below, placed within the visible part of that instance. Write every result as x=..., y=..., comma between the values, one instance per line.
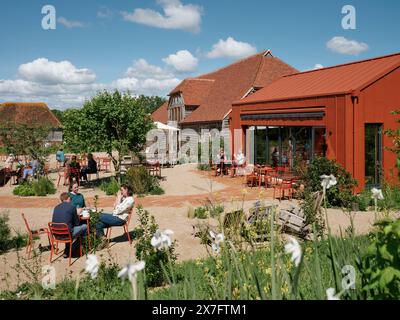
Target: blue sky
x=149, y=46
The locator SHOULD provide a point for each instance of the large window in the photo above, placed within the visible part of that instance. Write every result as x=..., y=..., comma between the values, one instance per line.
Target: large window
x=288, y=145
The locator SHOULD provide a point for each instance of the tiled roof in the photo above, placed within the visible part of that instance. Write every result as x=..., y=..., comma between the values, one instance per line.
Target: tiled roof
x=161, y=114
x=194, y=90
x=214, y=92
x=340, y=79
x=29, y=113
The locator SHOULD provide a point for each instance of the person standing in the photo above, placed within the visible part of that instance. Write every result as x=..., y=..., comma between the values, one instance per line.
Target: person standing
x=60, y=157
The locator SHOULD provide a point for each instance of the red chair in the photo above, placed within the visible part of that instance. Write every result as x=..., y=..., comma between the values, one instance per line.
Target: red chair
x=125, y=226
x=32, y=234
x=60, y=234
x=282, y=186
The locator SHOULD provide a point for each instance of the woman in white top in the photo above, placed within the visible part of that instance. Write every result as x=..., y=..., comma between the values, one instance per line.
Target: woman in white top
x=122, y=209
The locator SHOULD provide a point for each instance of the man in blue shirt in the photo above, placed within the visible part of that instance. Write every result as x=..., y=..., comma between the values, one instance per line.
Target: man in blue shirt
x=60, y=157
x=66, y=213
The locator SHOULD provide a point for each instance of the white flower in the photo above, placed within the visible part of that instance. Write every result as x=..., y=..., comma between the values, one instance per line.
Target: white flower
x=293, y=247
x=130, y=270
x=162, y=239
x=330, y=294
x=92, y=265
x=218, y=239
x=377, y=194
x=19, y=294
x=328, y=181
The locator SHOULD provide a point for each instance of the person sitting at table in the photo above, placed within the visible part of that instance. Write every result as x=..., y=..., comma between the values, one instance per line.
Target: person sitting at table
x=122, y=208
x=60, y=157
x=74, y=170
x=77, y=199
x=90, y=168
x=31, y=169
x=66, y=213
x=9, y=161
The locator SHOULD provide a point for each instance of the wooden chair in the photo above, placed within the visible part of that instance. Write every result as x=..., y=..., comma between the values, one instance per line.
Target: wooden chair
x=125, y=226
x=60, y=234
x=32, y=234
x=62, y=174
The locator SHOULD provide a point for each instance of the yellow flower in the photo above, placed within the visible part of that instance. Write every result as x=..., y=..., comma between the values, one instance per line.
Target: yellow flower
x=244, y=191
x=268, y=271
x=309, y=250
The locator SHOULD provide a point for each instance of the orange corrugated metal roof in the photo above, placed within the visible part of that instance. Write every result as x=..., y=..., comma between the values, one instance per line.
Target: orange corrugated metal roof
x=28, y=113
x=339, y=79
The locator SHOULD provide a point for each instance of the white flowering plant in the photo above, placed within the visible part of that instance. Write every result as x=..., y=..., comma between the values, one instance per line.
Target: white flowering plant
x=155, y=247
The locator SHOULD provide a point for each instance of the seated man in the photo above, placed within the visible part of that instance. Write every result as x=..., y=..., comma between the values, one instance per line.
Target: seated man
x=122, y=208
x=90, y=168
x=66, y=213
x=31, y=169
x=77, y=199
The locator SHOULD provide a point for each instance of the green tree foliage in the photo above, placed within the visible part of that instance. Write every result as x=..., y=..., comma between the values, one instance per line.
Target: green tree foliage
x=109, y=121
x=59, y=115
x=151, y=104
x=20, y=139
x=341, y=195
x=395, y=135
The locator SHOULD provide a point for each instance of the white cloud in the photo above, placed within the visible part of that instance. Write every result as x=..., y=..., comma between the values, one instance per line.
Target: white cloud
x=230, y=48
x=182, y=61
x=61, y=85
x=318, y=66
x=142, y=69
x=176, y=16
x=344, y=46
x=49, y=72
x=71, y=24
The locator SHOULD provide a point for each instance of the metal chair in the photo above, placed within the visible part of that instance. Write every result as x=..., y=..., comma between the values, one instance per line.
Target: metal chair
x=60, y=234
x=125, y=226
x=32, y=234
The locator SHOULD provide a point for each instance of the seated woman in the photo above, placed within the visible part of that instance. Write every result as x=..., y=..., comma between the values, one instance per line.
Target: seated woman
x=77, y=199
x=122, y=208
x=31, y=169
x=90, y=168
x=74, y=170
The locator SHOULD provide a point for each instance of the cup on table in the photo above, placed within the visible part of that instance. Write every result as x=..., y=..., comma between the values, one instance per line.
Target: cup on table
x=85, y=213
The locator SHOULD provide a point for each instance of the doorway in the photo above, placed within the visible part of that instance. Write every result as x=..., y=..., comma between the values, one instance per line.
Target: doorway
x=373, y=155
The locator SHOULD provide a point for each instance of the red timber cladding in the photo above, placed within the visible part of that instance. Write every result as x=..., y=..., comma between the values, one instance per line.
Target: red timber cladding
x=376, y=103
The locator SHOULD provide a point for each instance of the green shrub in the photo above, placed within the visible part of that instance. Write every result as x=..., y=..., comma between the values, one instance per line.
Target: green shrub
x=203, y=167
x=201, y=213
x=141, y=181
x=24, y=190
x=392, y=197
x=40, y=188
x=111, y=187
x=380, y=267
x=5, y=233
x=363, y=200
x=340, y=195
x=43, y=187
x=157, y=191
x=6, y=241
x=155, y=259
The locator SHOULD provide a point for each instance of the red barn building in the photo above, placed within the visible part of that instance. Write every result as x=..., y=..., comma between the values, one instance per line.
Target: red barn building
x=340, y=112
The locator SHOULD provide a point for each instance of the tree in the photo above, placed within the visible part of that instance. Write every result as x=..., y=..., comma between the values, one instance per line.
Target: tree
x=59, y=115
x=108, y=122
x=152, y=103
x=20, y=139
